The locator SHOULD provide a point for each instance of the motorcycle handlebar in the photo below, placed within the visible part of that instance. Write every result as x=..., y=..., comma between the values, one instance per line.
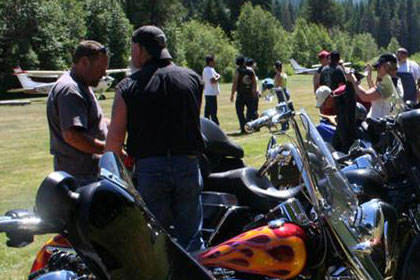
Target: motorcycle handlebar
x=256, y=124
x=32, y=225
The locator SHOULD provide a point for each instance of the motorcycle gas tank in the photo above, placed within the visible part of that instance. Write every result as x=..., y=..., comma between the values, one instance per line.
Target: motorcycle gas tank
x=277, y=250
x=120, y=239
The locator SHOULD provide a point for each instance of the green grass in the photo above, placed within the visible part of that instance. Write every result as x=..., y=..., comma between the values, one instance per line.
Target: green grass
x=25, y=158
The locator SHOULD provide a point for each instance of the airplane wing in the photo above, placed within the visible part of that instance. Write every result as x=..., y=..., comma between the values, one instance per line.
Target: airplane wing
x=113, y=71
x=319, y=65
x=301, y=70
x=23, y=90
x=44, y=73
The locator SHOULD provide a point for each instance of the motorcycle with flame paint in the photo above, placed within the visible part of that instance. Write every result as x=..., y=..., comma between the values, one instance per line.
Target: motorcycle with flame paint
x=319, y=232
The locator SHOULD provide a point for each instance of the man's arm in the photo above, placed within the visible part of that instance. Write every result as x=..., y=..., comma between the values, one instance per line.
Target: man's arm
x=254, y=85
x=315, y=81
x=369, y=95
x=73, y=116
x=78, y=139
x=118, y=127
x=234, y=86
x=215, y=77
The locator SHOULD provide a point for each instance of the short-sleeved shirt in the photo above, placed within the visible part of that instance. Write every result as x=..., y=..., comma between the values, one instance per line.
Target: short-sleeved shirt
x=382, y=107
x=209, y=87
x=71, y=104
x=410, y=67
x=163, y=110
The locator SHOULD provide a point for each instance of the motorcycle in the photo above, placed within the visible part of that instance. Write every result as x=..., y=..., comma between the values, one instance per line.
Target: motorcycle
x=346, y=239
x=325, y=234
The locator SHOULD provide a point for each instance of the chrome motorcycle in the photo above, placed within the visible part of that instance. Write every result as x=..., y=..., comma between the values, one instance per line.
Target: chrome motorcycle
x=343, y=238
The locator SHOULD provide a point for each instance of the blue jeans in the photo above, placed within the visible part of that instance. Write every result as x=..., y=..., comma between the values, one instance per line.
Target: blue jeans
x=171, y=188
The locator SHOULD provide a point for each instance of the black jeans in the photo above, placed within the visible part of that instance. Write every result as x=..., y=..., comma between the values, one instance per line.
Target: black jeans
x=210, y=109
x=241, y=102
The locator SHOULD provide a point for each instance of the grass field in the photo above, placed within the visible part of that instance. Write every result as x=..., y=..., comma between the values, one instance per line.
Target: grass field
x=25, y=158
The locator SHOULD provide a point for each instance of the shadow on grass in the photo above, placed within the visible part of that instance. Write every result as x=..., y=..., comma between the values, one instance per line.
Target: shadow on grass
x=236, y=134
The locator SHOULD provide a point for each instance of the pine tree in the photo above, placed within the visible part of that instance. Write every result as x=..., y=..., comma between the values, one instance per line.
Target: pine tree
x=325, y=12
x=384, y=25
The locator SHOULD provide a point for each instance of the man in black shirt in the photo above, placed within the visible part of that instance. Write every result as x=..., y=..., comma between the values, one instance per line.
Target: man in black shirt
x=159, y=108
x=333, y=75
x=245, y=84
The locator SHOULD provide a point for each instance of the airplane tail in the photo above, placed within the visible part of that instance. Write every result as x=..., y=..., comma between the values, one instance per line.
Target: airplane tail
x=296, y=65
x=25, y=81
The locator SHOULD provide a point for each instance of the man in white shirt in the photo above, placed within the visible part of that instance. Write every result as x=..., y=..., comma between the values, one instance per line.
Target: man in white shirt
x=409, y=72
x=211, y=89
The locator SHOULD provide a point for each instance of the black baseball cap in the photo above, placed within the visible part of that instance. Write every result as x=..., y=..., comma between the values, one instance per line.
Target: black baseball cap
x=249, y=61
x=335, y=56
x=153, y=39
x=387, y=57
x=240, y=60
x=278, y=63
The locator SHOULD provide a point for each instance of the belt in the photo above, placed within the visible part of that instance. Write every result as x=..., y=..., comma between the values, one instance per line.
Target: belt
x=173, y=153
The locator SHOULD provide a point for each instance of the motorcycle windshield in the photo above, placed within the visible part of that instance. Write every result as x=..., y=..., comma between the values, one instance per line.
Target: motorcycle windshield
x=334, y=197
x=112, y=168
x=332, y=188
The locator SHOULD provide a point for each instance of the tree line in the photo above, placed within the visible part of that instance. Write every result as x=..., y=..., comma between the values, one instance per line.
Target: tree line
x=41, y=34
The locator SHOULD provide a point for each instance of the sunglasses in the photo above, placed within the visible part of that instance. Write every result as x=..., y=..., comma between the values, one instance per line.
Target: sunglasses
x=104, y=50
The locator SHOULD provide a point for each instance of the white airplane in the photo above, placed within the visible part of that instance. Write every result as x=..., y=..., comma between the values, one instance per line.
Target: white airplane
x=302, y=70
x=32, y=87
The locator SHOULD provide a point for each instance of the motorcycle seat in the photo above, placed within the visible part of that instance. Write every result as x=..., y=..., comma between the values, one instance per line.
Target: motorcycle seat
x=249, y=188
x=217, y=142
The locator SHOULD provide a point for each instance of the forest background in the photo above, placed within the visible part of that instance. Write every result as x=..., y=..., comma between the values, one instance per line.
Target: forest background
x=41, y=34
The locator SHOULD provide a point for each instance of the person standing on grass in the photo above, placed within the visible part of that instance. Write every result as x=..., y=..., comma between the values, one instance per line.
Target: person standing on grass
x=245, y=85
x=280, y=82
x=409, y=72
x=324, y=60
x=251, y=63
x=159, y=109
x=211, y=89
x=75, y=119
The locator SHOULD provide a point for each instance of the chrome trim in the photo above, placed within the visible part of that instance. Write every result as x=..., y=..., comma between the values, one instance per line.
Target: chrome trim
x=293, y=210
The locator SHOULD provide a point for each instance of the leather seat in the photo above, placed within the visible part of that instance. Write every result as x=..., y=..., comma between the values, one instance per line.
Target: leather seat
x=249, y=188
x=217, y=142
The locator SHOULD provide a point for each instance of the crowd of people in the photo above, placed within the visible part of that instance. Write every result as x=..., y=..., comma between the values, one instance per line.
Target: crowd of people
x=244, y=86
x=337, y=90
x=156, y=112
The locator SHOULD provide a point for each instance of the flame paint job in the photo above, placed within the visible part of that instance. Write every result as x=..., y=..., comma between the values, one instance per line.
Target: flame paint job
x=274, y=252
x=43, y=255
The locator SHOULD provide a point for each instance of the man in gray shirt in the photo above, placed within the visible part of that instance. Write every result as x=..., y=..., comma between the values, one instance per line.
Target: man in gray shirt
x=75, y=119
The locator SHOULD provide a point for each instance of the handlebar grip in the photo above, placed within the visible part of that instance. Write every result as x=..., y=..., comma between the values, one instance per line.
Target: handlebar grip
x=258, y=123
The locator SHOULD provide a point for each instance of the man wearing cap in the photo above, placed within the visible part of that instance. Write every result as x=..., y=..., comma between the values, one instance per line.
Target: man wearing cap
x=409, y=72
x=159, y=108
x=332, y=75
x=75, y=120
x=245, y=85
x=324, y=60
x=211, y=89
x=327, y=123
